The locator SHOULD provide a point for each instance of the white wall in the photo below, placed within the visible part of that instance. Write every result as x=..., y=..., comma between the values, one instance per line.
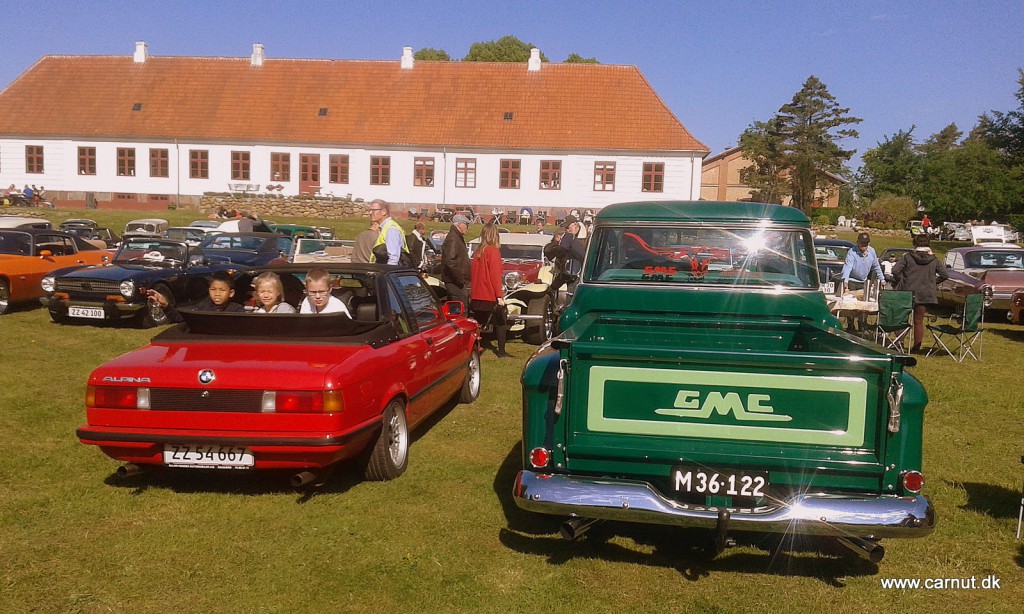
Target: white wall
x=682, y=173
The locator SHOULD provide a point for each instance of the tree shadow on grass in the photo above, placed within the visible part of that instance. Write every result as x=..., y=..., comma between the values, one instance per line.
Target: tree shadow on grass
x=992, y=501
x=1013, y=334
x=690, y=552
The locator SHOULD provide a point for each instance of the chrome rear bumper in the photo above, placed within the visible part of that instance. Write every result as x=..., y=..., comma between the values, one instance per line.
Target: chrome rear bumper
x=629, y=501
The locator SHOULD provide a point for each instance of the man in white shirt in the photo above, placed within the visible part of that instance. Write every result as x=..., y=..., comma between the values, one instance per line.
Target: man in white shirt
x=318, y=295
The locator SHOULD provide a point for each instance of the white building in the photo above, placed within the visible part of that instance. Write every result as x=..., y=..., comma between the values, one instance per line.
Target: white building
x=145, y=131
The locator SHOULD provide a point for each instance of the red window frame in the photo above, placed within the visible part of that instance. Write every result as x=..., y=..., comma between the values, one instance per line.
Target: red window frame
x=125, y=161
x=423, y=172
x=159, y=163
x=280, y=166
x=86, y=160
x=240, y=165
x=509, y=174
x=380, y=170
x=604, y=176
x=465, y=172
x=653, y=177
x=550, y=175
x=34, y=159
x=198, y=164
x=338, y=168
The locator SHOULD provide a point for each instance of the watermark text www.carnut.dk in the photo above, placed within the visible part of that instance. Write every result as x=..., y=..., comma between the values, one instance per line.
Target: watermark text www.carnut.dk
x=967, y=583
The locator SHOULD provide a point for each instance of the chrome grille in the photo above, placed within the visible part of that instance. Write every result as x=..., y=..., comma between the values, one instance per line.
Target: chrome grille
x=198, y=399
x=94, y=286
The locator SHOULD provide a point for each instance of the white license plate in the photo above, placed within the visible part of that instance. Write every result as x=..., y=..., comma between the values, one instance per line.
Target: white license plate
x=212, y=456
x=86, y=312
x=828, y=287
x=704, y=481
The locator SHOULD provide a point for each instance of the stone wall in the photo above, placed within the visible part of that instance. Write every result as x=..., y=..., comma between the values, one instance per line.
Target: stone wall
x=271, y=206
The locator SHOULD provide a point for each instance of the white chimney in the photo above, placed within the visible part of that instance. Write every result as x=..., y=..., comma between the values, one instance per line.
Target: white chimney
x=257, y=54
x=141, y=52
x=407, y=59
x=534, y=64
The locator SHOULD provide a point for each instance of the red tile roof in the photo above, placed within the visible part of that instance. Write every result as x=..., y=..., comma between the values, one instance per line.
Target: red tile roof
x=456, y=104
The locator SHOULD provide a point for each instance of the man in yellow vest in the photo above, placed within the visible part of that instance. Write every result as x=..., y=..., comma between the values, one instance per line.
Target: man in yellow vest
x=390, y=246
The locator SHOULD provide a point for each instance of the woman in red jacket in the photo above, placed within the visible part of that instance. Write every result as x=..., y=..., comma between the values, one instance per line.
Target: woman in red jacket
x=486, y=296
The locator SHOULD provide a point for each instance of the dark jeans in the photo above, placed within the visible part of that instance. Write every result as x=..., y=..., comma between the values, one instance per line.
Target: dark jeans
x=485, y=313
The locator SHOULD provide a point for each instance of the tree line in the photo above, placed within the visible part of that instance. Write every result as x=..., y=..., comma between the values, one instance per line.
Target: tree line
x=505, y=49
x=951, y=176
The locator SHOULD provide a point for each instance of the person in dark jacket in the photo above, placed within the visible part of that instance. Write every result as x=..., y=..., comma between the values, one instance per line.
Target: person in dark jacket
x=417, y=246
x=222, y=289
x=569, y=249
x=455, y=267
x=919, y=272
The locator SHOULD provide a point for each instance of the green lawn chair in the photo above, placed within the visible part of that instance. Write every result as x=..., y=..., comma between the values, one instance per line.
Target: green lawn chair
x=961, y=336
x=894, y=310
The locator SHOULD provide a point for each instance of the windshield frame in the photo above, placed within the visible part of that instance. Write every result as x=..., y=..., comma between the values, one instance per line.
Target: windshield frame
x=718, y=263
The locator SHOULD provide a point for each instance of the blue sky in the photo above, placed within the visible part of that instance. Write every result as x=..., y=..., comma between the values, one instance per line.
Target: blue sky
x=717, y=65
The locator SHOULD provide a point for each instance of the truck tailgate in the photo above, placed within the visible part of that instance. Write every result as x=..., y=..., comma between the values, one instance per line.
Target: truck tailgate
x=773, y=396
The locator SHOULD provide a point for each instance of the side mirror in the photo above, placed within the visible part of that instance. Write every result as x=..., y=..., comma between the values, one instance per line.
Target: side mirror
x=45, y=254
x=453, y=309
x=572, y=268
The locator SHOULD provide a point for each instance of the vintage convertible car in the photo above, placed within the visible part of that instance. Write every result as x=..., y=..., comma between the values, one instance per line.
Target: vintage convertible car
x=209, y=395
x=247, y=248
x=995, y=270
x=26, y=255
x=527, y=278
x=118, y=290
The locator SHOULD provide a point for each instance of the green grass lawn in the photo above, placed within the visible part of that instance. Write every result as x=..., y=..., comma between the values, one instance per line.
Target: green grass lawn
x=446, y=536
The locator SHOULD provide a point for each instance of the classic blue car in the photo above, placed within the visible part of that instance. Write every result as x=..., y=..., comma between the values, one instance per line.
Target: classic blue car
x=247, y=248
x=117, y=290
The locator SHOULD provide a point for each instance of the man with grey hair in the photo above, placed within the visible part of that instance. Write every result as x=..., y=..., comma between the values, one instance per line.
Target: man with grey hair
x=455, y=261
x=390, y=244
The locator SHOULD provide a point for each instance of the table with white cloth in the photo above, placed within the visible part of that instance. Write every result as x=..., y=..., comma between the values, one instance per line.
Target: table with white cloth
x=853, y=308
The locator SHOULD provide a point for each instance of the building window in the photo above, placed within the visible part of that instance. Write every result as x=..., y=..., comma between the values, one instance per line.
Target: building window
x=125, y=161
x=280, y=166
x=86, y=160
x=604, y=176
x=158, y=163
x=509, y=174
x=339, y=168
x=198, y=164
x=34, y=159
x=240, y=165
x=423, y=172
x=380, y=170
x=551, y=174
x=465, y=172
x=654, y=177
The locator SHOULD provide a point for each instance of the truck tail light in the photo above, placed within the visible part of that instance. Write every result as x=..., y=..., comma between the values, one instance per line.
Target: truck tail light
x=539, y=458
x=302, y=402
x=117, y=397
x=913, y=481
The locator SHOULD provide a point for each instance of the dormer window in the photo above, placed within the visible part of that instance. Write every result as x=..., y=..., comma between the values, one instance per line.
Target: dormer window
x=137, y=106
x=509, y=115
x=322, y=112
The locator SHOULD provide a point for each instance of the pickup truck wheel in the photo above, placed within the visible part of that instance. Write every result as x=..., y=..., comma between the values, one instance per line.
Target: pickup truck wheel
x=152, y=314
x=471, y=387
x=539, y=331
x=390, y=455
x=5, y=296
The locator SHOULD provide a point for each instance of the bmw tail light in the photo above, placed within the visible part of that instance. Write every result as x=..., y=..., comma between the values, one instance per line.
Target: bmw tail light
x=117, y=397
x=539, y=458
x=913, y=481
x=302, y=402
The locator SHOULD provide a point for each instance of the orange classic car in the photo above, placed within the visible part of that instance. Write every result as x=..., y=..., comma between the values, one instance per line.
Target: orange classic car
x=27, y=254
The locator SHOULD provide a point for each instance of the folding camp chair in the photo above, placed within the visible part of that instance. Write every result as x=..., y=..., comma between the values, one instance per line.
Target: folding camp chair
x=894, y=310
x=965, y=335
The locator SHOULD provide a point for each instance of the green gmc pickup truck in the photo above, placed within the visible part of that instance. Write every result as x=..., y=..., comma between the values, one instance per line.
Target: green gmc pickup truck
x=700, y=381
